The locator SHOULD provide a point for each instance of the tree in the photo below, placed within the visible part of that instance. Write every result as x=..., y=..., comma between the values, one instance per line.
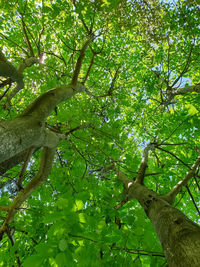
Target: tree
x=89, y=167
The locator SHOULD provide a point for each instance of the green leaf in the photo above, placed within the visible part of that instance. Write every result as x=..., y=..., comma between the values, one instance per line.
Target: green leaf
x=33, y=260
x=62, y=245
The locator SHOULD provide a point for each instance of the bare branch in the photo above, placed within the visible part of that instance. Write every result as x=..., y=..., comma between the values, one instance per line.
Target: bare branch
x=43, y=105
x=173, y=155
x=122, y=203
x=6, y=91
x=77, y=128
x=72, y=49
x=185, y=68
x=82, y=19
x=176, y=128
x=28, y=62
x=110, y=91
x=193, y=201
x=60, y=57
x=178, y=187
x=39, y=40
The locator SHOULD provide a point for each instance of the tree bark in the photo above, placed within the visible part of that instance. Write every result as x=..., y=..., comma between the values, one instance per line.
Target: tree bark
x=28, y=129
x=179, y=236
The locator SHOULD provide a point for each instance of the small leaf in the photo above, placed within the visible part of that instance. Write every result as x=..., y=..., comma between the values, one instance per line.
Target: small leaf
x=62, y=245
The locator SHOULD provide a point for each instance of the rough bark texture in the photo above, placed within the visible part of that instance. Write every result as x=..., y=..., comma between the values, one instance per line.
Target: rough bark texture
x=28, y=129
x=179, y=237
x=18, y=135
x=9, y=163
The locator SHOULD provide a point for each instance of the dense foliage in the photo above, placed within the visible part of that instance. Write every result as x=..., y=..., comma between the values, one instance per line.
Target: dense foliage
x=143, y=54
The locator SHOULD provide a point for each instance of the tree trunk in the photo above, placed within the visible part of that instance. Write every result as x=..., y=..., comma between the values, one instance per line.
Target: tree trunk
x=28, y=129
x=17, y=135
x=179, y=236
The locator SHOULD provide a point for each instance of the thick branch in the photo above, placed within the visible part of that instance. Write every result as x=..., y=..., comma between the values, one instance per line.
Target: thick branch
x=44, y=170
x=28, y=62
x=13, y=161
x=44, y=104
x=178, y=187
x=127, y=182
x=4, y=208
x=187, y=89
x=110, y=91
x=170, y=94
x=143, y=165
x=80, y=59
x=27, y=38
x=26, y=161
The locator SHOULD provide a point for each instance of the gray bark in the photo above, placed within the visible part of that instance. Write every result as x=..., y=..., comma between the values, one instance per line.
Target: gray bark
x=179, y=236
x=28, y=129
x=18, y=135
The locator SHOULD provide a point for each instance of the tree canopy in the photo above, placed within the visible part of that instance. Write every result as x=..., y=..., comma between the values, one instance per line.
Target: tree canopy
x=125, y=77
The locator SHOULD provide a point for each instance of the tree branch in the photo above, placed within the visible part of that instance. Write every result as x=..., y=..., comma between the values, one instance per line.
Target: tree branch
x=13, y=161
x=173, y=155
x=80, y=59
x=143, y=165
x=4, y=208
x=26, y=37
x=178, y=187
x=127, y=182
x=89, y=69
x=26, y=161
x=193, y=201
x=41, y=107
x=110, y=91
x=185, y=68
x=28, y=62
x=44, y=170
x=188, y=89
x=16, y=44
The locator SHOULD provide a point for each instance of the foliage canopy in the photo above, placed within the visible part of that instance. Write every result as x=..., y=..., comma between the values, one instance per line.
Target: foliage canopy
x=141, y=73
